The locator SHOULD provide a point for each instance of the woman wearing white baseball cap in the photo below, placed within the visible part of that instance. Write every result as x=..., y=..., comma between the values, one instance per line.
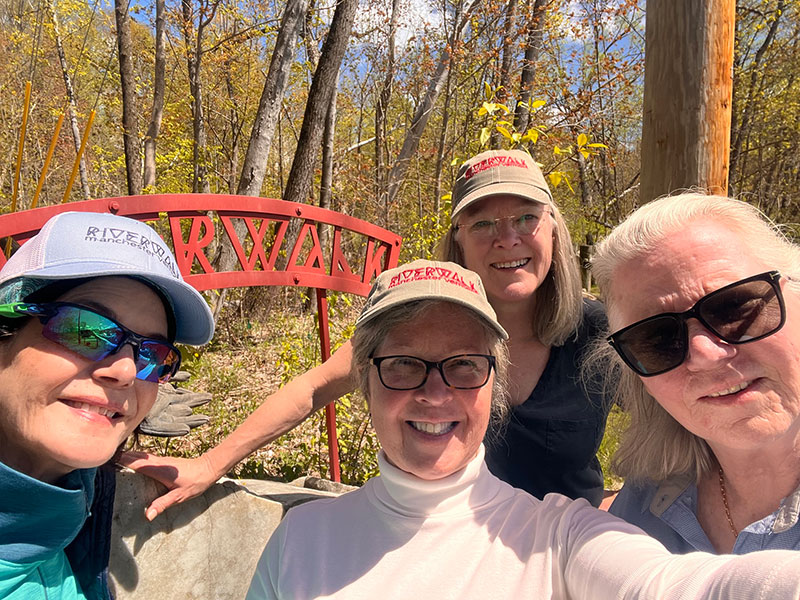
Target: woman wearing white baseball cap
x=429, y=355
x=90, y=310
x=506, y=228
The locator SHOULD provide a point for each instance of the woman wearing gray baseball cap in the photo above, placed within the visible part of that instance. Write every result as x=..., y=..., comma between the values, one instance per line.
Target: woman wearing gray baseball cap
x=506, y=228
x=429, y=355
x=90, y=310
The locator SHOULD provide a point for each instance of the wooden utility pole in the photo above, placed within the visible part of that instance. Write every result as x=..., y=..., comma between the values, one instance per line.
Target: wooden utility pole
x=687, y=96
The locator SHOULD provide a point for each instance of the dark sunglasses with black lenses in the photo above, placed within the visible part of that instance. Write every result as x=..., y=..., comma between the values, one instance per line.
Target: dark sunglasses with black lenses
x=95, y=336
x=742, y=312
x=462, y=372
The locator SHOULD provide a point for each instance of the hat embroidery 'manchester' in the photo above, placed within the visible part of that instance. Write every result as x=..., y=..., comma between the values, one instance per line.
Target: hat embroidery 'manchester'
x=151, y=245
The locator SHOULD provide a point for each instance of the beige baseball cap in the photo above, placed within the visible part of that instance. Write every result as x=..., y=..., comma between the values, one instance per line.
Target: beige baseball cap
x=429, y=280
x=512, y=172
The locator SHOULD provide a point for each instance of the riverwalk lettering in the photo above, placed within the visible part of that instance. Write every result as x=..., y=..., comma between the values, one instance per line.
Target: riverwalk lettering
x=432, y=273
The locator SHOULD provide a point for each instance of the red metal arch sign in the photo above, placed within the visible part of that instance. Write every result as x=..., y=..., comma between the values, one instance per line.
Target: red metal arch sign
x=356, y=252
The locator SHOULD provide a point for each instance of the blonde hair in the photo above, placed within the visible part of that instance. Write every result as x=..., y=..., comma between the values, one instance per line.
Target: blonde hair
x=559, y=301
x=369, y=336
x=655, y=446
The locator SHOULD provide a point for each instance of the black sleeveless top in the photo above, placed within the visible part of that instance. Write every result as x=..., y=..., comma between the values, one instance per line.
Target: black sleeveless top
x=550, y=441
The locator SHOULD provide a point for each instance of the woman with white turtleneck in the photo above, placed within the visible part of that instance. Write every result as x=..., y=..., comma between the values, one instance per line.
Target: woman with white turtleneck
x=436, y=523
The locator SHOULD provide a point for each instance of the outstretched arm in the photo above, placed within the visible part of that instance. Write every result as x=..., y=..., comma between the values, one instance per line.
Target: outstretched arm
x=281, y=411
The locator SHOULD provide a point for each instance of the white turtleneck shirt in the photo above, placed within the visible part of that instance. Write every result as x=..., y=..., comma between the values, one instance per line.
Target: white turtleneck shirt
x=472, y=536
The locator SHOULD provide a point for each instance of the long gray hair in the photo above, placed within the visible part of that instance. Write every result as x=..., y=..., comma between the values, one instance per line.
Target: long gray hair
x=655, y=446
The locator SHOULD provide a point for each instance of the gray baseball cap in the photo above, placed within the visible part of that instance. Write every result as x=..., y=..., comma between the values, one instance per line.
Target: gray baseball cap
x=429, y=280
x=75, y=245
x=511, y=172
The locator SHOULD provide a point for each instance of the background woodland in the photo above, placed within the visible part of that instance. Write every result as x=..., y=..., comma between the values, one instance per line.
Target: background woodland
x=366, y=108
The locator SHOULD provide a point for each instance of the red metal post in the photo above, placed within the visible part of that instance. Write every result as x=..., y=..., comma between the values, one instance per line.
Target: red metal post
x=330, y=409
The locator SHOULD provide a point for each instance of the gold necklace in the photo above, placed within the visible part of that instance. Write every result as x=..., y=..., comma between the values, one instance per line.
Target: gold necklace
x=725, y=503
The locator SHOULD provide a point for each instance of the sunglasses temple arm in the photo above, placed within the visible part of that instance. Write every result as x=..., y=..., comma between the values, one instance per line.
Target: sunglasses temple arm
x=17, y=310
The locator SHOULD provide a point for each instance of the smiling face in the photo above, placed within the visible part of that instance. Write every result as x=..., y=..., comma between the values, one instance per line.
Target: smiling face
x=432, y=431
x=511, y=266
x=62, y=412
x=742, y=397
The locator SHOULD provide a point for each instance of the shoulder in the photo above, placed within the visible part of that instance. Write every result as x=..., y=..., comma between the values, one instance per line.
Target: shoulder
x=633, y=500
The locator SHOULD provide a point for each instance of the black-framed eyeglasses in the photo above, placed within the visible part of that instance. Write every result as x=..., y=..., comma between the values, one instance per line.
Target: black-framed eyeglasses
x=744, y=311
x=95, y=336
x=525, y=223
x=461, y=372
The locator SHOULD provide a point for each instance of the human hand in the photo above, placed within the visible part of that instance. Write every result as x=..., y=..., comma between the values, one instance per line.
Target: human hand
x=185, y=477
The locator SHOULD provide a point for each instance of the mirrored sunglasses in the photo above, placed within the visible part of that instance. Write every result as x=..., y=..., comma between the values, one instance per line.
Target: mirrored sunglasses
x=94, y=336
x=742, y=312
x=461, y=372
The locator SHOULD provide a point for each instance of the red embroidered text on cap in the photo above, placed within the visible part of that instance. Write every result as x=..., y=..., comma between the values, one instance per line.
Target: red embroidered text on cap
x=494, y=161
x=432, y=273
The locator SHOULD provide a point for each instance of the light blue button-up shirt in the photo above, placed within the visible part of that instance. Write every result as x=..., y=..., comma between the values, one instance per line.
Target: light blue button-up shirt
x=668, y=512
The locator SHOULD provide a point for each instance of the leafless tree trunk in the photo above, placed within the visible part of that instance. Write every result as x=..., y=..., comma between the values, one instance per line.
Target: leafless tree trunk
x=504, y=76
x=130, y=122
x=298, y=186
x=326, y=182
x=533, y=46
x=382, y=105
x=423, y=112
x=73, y=118
x=159, y=84
x=269, y=107
x=193, y=41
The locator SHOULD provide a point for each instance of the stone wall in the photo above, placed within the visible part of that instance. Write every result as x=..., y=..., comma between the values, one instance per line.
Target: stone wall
x=206, y=548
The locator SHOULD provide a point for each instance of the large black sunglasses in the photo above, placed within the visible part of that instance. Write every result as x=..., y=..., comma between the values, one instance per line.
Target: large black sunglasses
x=461, y=372
x=744, y=311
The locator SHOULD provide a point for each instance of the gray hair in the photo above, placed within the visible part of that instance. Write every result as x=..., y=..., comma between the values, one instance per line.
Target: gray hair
x=559, y=301
x=369, y=336
x=655, y=446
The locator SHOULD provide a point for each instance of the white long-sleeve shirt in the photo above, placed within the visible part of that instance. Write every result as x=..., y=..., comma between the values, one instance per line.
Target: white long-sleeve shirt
x=472, y=536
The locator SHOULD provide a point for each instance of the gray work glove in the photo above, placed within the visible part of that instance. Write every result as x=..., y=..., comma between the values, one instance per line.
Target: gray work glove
x=172, y=414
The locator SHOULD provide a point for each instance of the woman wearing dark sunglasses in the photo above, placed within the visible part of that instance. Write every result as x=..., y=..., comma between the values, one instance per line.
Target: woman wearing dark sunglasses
x=428, y=353
x=704, y=305
x=90, y=309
